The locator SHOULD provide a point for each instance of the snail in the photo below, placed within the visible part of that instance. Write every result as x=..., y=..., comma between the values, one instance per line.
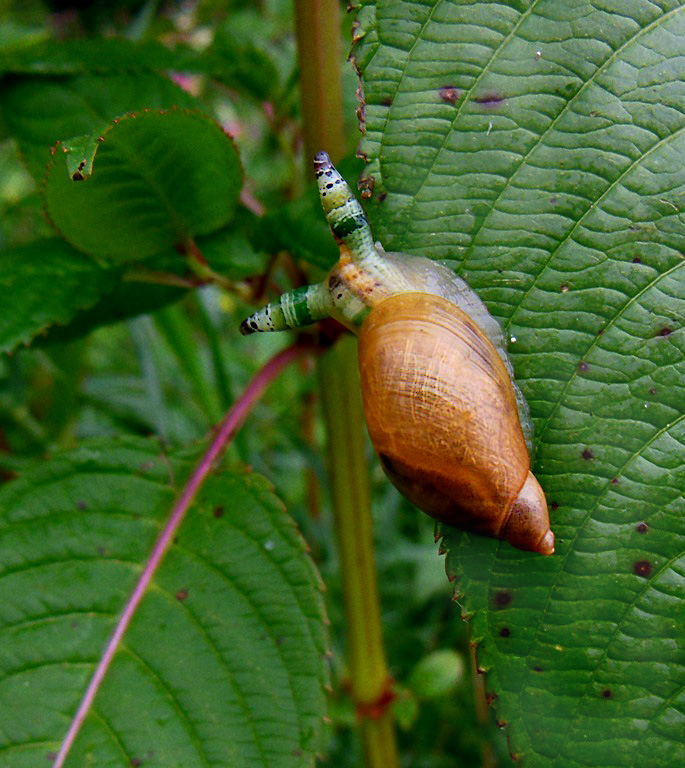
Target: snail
x=450, y=426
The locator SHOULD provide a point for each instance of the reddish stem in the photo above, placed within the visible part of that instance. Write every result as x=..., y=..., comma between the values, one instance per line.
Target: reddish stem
x=224, y=434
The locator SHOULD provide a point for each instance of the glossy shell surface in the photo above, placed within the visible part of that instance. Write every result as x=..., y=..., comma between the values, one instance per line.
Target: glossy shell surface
x=442, y=416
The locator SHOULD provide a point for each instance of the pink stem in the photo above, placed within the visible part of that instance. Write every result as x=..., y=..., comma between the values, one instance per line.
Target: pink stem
x=225, y=433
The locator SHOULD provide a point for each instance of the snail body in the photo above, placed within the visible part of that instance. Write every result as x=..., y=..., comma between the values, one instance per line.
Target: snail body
x=450, y=426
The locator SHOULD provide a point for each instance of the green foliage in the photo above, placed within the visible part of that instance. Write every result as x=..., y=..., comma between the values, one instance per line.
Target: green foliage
x=222, y=663
x=538, y=148
x=45, y=282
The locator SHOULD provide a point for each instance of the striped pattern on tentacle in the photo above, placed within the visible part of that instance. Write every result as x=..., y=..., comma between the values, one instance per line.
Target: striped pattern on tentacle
x=361, y=277
x=294, y=309
x=343, y=211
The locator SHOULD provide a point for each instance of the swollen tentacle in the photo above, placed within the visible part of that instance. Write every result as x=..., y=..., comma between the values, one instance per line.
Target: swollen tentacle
x=343, y=211
x=294, y=309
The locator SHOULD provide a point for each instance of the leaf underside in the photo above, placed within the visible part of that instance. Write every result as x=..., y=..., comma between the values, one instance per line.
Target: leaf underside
x=539, y=146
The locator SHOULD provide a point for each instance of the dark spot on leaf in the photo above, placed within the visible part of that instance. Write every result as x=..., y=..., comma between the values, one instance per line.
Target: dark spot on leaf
x=637, y=260
x=386, y=101
x=583, y=366
x=537, y=669
x=553, y=200
x=642, y=568
x=51, y=756
x=665, y=332
x=587, y=454
x=489, y=99
x=182, y=594
x=490, y=696
x=503, y=598
x=81, y=505
x=606, y=693
x=101, y=551
x=652, y=390
x=135, y=761
x=218, y=511
x=614, y=481
x=501, y=723
x=565, y=288
x=642, y=527
x=504, y=632
x=449, y=94
x=554, y=505
x=381, y=196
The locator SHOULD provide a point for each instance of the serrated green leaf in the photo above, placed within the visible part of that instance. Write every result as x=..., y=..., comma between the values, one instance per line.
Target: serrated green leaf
x=40, y=111
x=223, y=663
x=159, y=179
x=538, y=146
x=44, y=283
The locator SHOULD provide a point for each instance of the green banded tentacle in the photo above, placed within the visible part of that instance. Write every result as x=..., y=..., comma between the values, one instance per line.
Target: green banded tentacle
x=343, y=211
x=353, y=285
x=294, y=309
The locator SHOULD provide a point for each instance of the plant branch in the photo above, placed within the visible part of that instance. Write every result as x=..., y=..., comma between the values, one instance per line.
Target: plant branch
x=224, y=434
x=318, y=44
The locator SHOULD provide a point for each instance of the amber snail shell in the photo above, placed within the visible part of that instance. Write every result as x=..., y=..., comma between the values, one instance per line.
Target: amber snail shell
x=443, y=419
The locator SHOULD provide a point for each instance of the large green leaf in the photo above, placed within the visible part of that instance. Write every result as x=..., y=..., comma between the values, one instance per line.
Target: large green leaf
x=539, y=145
x=223, y=665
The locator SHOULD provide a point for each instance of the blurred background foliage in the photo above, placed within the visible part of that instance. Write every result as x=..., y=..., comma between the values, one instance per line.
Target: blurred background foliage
x=174, y=372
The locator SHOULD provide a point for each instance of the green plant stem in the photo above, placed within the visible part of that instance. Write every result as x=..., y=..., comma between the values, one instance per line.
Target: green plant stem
x=369, y=677
x=317, y=28
x=341, y=402
x=319, y=52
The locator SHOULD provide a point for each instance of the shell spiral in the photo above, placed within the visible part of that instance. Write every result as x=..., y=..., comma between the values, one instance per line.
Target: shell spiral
x=441, y=413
